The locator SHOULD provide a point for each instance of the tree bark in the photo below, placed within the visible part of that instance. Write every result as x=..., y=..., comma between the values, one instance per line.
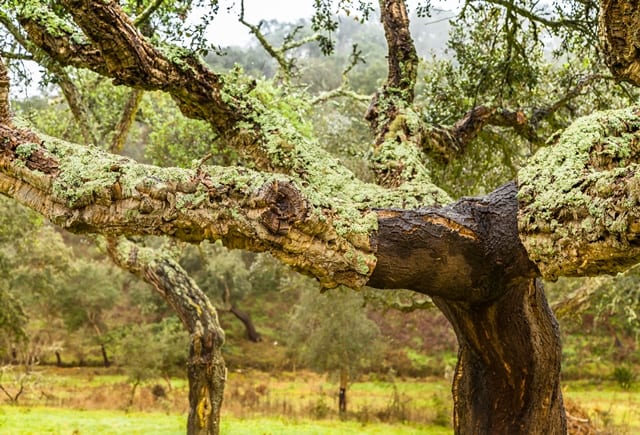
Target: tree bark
x=507, y=379
x=105, y=357
x=342, y=393
x=469, y=258
x=205, y=368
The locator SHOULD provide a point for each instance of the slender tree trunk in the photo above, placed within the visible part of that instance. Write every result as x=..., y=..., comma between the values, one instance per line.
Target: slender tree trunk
x=342, y=394
x=58, y=359
x=245, y=318
x=105, y=357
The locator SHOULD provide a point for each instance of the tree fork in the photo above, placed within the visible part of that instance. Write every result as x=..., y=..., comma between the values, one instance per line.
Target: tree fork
x=469, y=258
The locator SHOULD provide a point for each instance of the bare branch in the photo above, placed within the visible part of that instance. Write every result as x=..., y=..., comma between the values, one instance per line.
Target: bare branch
x=126, y=121
x=539, y=17
x=446, y=143
x=16, y=56
x=278, y=54
x=344, y=89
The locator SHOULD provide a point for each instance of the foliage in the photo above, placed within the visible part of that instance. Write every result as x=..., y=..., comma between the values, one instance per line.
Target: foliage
x=152, y=350
x=331, y=331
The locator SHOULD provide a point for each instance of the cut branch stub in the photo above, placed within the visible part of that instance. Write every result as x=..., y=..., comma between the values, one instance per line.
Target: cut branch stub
x=579, y=198
x=285, y=206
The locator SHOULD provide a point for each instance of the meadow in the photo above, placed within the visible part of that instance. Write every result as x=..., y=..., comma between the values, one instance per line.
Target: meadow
x=99, y=401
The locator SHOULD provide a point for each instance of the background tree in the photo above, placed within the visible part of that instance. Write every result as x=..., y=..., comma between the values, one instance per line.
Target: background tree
x=332, y=333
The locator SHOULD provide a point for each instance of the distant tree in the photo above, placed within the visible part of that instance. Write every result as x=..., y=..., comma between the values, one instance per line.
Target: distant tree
x=152, y=350
x=330, y=332
x=226, y=278
x=90, y=291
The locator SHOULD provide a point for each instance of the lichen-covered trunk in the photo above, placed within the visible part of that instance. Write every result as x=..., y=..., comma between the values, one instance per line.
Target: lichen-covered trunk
x=207, y=374
x=507, y=379
x=206, y=370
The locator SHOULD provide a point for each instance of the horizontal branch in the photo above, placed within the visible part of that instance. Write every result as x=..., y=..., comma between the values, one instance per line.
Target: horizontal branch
x=579, y=198
x=86, y=190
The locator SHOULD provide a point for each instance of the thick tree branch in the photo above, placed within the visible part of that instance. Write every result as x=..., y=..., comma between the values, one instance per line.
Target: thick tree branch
x=403, y=58
x=5, y=108
x=86, y=190
x=618, y=24
x=467, y=251
x=579, y=198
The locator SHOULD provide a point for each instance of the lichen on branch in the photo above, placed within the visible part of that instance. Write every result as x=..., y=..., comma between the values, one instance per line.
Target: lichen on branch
x=580, y=197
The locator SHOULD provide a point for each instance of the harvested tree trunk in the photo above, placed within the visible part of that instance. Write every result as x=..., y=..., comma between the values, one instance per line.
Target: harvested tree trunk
x=469, y=258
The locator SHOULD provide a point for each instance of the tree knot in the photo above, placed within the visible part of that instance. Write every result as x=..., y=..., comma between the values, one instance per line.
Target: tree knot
x=284, y=206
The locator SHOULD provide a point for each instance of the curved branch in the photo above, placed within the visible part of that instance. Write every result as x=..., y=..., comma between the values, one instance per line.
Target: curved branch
x=579, y=198
x=144, y=16
x=446, y=143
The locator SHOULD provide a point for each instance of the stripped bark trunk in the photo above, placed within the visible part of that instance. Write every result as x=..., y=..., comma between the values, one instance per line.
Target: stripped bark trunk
x=469, y=258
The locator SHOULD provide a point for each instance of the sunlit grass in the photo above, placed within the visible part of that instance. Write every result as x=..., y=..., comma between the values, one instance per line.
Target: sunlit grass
x=27, y=421
x=39, y=420
x=607, y=404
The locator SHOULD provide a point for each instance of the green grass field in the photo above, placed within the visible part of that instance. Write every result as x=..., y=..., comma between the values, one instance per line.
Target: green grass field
x=91, y=401
x=55, y=421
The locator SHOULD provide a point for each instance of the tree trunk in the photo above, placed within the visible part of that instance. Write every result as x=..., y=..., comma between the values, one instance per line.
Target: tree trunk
x=342, y=394
x=245, y=318
x=469, y=258
x=507, y=379
x=205, y=368
x=105, y=357
x=58, y=359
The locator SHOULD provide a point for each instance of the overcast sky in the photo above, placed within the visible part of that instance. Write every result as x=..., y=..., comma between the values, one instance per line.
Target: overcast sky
x=226, y=30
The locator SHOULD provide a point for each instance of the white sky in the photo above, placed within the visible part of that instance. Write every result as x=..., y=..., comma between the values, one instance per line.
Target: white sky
x=226, y=30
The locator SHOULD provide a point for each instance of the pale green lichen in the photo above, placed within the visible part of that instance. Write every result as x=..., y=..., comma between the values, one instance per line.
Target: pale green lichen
x=579, y=196
x=54, y=25
x=25, y=150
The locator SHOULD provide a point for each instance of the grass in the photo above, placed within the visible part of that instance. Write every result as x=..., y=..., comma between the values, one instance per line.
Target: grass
x=40, y=420
x=94, y=401
x=608, y=405
x=16, y=420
